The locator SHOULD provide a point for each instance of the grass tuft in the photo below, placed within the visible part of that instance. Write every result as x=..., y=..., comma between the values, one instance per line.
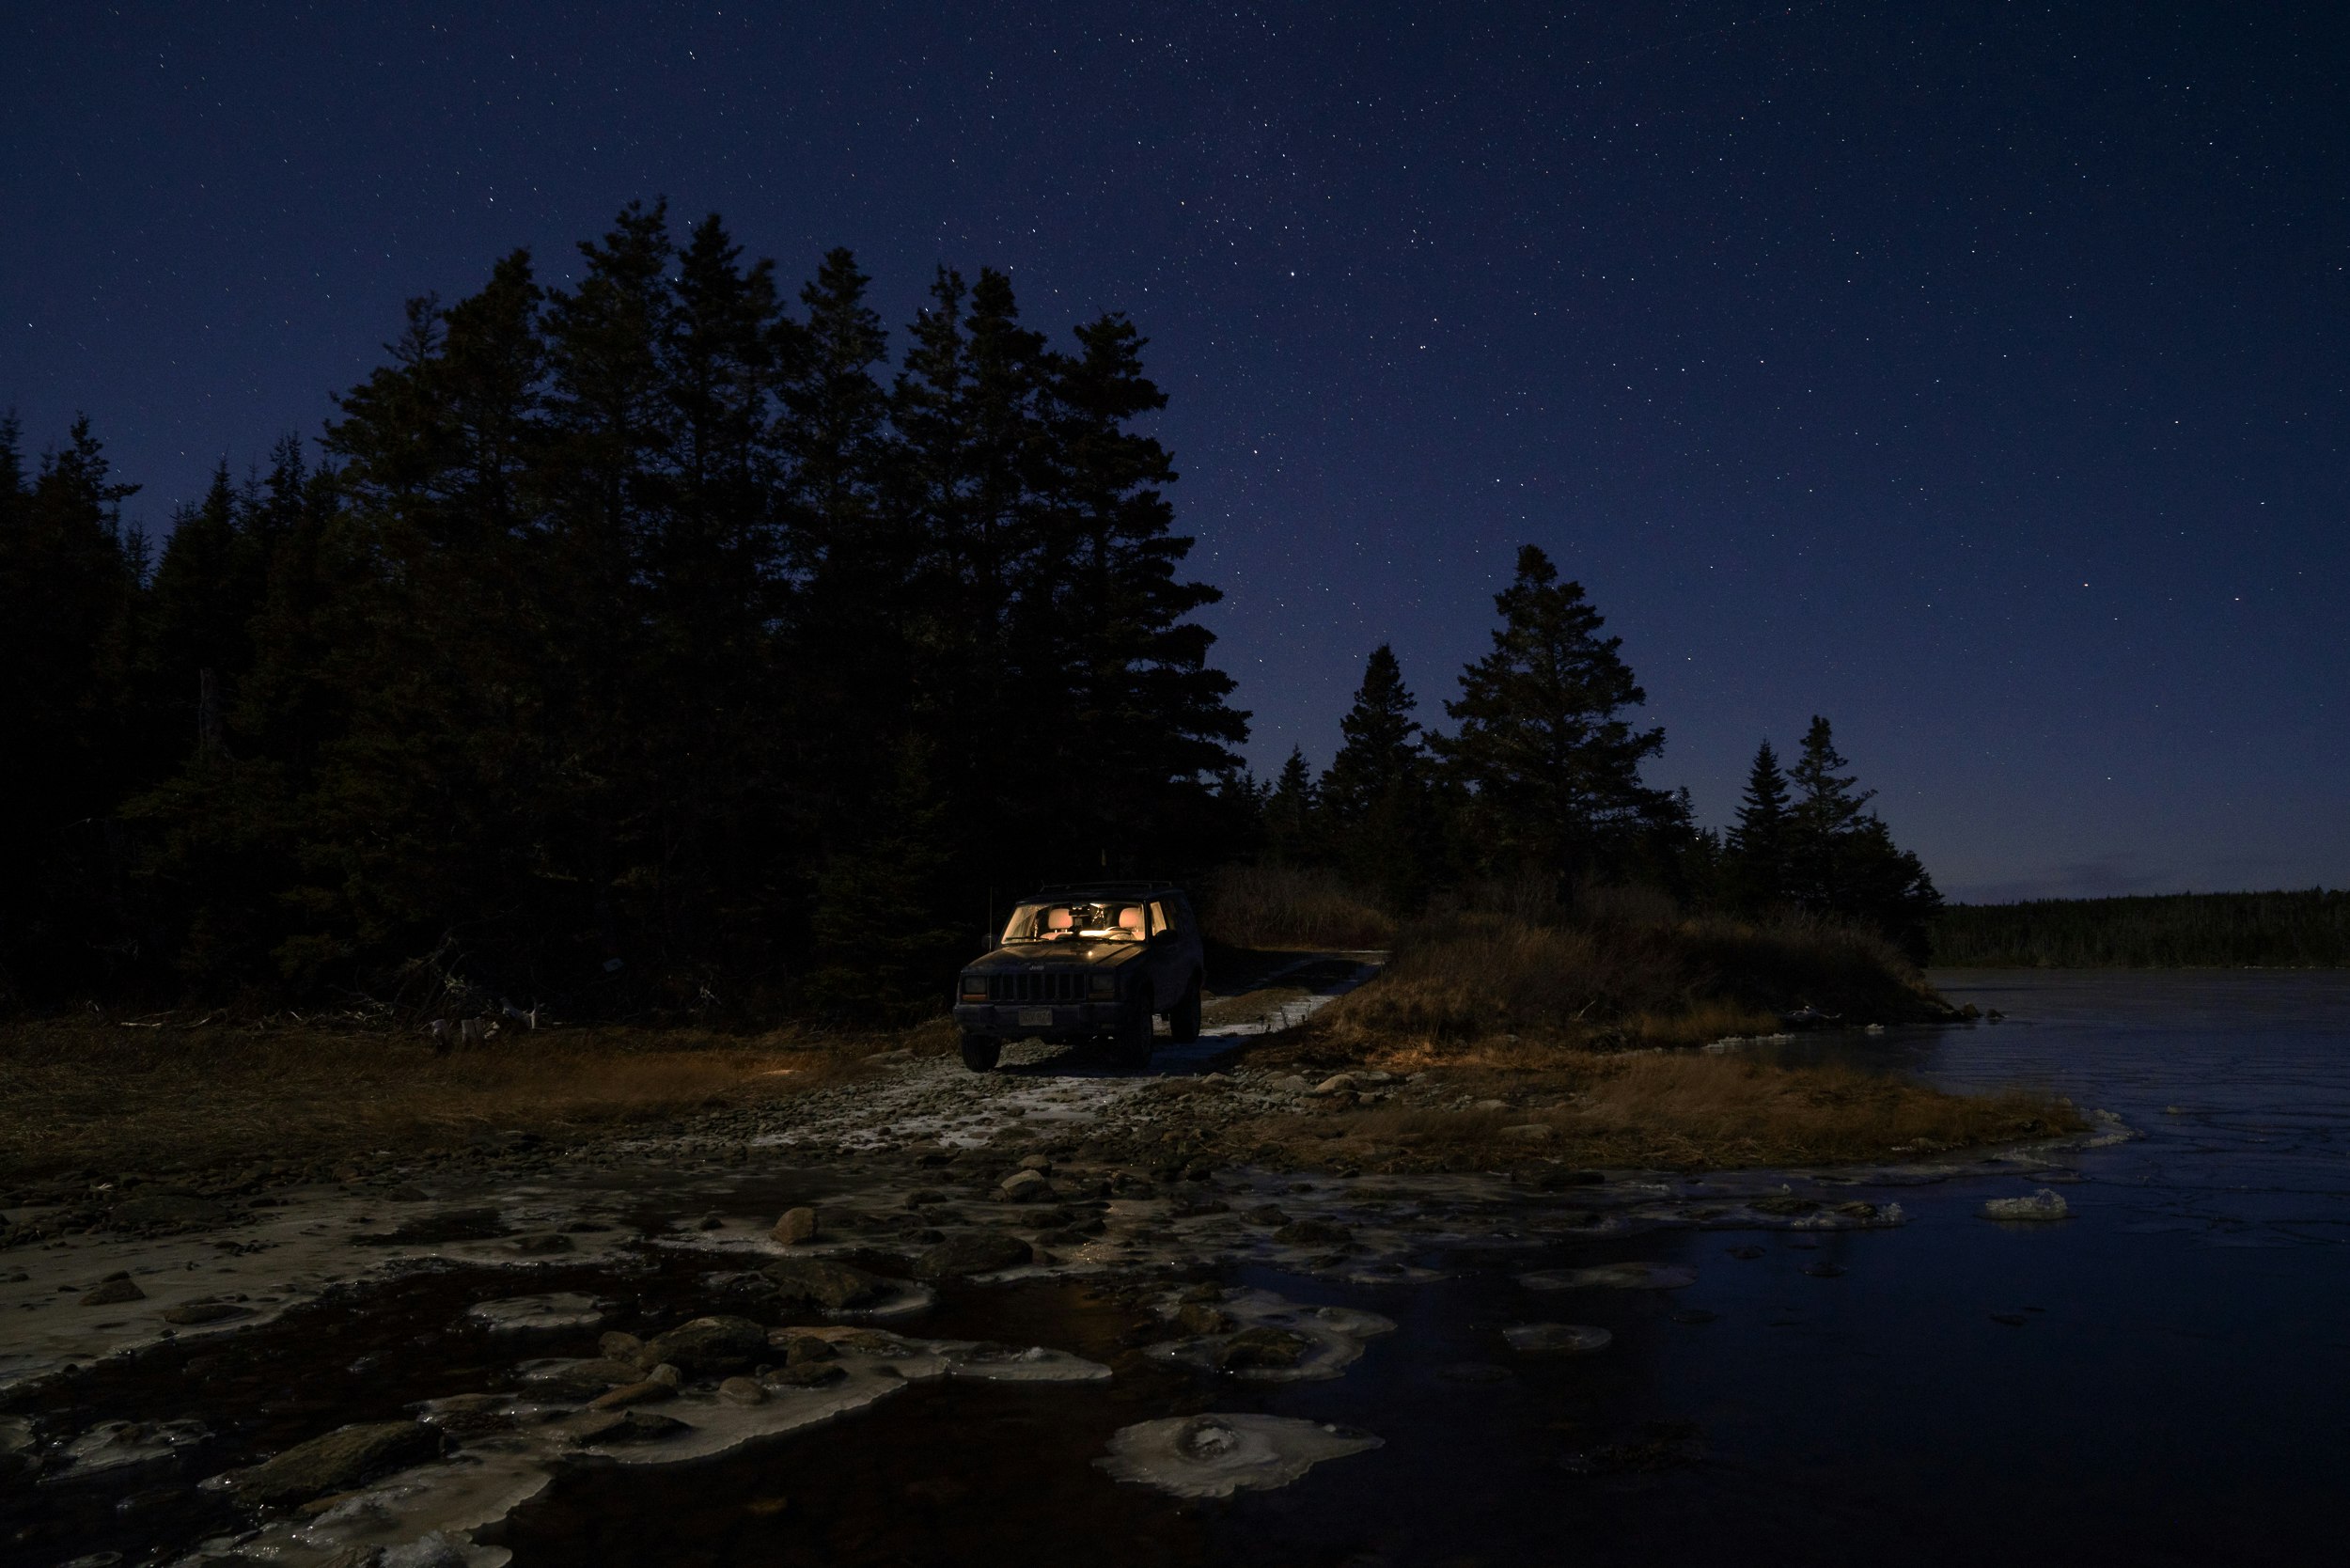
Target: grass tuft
x=1290, y=907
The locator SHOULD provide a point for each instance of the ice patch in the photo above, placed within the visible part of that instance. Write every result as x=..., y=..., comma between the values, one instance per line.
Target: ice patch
x=1214, y=1456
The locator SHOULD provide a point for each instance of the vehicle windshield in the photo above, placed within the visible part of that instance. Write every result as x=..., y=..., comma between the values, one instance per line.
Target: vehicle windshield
x=1077, y=921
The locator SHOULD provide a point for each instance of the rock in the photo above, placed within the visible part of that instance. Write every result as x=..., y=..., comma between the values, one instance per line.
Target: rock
x=743, y=1391
x=651, y=1392
x=1215, y=1456
x=824, y=1282
x=1531, y=1132
x=155, y=1211
x=196, y=1312
x=1783, y=1204
x=810, y=1374
x=972, y=1253
x=1857, y=1210
x=618, y=1346
x=1574, y=1338
x=796, y=1226
x=2042, y=1205
x=1337, y=1083
x=1262, y=1346
x=1292, y=1084
x=1312, y=1233
x=355, y=1556
x=626, y=1426
x=666, y=1374
x=338, y=1461
x=540, y=1244
x=1267, y=1214
x=1622, y=1277
x=112, y=1290
x=434, y=1550
x=1040, y=1164
x=1024, y=1186
x=518, y=1313
x=1198, y=1317
x=805, y=1349
x=712, y=1345
x=579, y=1379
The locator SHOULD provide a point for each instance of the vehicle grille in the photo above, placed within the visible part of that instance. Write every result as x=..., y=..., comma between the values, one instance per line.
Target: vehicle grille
x=1044, y=985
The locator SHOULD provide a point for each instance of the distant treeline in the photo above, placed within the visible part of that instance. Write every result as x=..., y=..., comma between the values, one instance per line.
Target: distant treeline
x=2285, y=930
x=655, y=643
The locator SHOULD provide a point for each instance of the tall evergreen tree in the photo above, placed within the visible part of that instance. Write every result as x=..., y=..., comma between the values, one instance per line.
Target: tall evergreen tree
x=1293, y=813
x=1758, y=846
x=1380, y=747
x=1542, y=742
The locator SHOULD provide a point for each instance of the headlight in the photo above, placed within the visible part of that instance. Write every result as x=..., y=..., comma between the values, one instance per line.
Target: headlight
x=1102, y=988
x=975, y=988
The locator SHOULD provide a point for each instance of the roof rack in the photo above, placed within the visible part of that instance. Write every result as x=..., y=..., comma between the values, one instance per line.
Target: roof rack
x=1130, y=885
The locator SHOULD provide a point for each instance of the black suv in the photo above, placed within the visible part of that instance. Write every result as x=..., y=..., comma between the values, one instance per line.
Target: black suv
x=1084, y=961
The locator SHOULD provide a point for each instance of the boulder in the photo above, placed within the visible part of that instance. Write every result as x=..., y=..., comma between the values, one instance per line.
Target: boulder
x=2046, y=1205
x=743, y=1391
x=800, y=1350
x=196, y=1313
x=618, y=1346
x=824, y=1282
x=650, y=1391
x=1261, y=1346
x=157, y=1210
x=1531, y=1132
x=1024, y=1186
x=1312, y=1233
x=115, y=1288
x=626, y=1426
x=1199, y=1317
x=579, y=1379
x=1337, y=1083
x=339, y=1461
x=714, y=1344
x=972, y=1253
x=1784, y=1203
x=796, y=1226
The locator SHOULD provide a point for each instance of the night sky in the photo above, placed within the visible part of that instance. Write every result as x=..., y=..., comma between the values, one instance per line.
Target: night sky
x=1972, y=373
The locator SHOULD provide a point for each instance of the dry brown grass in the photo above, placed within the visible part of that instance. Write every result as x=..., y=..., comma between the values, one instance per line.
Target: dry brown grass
x=94, y=1095
x=1288, y=906
x=1460, y=978
x=1673, y=1111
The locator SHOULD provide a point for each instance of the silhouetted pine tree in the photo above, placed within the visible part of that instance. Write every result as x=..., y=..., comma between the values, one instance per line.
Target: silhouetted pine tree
x=1292, y=814
x=1375, y=796
x=1554, y=767
x=1756, y=853
x=1843, y=861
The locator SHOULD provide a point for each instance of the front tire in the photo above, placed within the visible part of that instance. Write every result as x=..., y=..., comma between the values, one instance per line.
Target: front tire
x=980, y=1052
x=1133, y=1041
x=1182, y=1024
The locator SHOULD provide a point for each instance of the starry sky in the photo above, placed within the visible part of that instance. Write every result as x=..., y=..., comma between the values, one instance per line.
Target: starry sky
x=1972, y=373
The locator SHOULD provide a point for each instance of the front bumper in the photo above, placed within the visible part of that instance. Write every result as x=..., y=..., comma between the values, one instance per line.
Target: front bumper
x=1022, y=1020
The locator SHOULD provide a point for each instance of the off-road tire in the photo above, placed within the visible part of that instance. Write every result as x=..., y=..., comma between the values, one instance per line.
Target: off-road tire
x=980, y=1052
x=1183, y=1024
x=1132, y=1044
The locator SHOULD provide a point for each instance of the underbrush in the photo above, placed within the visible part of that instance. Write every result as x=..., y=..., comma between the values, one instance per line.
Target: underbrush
x=1687, y=1110
x=1290, y=906
x=1471, y=976
x=97, y=1094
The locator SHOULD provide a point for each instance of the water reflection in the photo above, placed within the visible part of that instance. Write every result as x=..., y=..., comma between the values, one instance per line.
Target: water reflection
x=2158, y=1380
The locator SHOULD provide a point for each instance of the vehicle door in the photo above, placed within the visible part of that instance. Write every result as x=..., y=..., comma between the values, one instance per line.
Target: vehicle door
x=1169, y=971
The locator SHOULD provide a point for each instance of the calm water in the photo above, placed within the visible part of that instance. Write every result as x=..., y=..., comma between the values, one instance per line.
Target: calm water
x=2175, y=1391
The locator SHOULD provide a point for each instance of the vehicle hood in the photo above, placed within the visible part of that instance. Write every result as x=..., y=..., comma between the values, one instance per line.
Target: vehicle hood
x=1058, y=955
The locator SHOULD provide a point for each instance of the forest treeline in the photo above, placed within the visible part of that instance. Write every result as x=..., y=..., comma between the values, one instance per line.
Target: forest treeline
x=2308, y=929
x=660, y=642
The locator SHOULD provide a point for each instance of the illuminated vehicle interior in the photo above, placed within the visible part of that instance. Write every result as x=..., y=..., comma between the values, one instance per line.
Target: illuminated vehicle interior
x=1079, y=922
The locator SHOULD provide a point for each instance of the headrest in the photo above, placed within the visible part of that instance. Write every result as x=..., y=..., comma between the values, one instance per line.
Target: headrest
x=1060, y=919
x=1130, y=920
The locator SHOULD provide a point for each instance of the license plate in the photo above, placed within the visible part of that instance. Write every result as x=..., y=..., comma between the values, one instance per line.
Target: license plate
x=1036, y=1017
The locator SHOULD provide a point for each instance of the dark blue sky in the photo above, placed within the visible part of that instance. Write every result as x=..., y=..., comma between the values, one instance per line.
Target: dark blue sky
x=1972, y=373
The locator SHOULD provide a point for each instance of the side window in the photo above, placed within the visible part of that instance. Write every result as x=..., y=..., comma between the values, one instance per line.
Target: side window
x=1158, y=918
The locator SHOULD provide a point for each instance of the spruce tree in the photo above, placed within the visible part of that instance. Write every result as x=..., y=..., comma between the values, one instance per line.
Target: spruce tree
x=1553, y=764
x=1292, y=813
x=1380, y=747
x=1759, y=843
